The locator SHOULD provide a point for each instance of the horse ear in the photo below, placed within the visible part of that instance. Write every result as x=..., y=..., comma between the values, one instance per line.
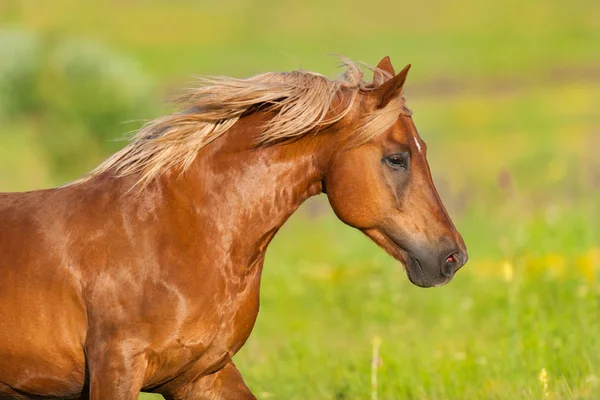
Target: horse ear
x=392, y=88
x=386, y=65
x=383, y=71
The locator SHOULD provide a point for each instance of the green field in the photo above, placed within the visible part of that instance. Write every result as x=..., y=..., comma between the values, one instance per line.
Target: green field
x=507, y=96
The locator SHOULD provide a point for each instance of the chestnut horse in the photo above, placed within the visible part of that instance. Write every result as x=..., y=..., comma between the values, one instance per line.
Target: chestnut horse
x=145, y=274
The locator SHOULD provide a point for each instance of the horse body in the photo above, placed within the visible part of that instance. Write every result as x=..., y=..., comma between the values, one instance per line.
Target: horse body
x=109, y=288
x=165, y=273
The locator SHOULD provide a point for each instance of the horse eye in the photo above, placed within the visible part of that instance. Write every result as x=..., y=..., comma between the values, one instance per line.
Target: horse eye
x=397, y=161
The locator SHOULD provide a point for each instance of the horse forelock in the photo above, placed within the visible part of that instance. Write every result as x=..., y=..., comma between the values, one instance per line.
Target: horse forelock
x=301, y=102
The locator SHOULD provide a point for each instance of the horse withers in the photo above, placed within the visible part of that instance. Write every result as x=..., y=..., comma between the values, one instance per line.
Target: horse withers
x=144, y=275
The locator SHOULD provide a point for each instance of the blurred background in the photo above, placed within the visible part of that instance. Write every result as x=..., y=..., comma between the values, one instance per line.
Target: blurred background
x=507, y=95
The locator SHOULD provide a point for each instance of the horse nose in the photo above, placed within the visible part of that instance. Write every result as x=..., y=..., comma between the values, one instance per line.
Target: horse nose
x=453, y=261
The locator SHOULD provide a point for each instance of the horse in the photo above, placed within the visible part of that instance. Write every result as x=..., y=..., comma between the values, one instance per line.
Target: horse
x=144, y=275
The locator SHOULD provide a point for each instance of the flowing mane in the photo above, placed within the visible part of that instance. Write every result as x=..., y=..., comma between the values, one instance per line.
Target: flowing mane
x=300, y=101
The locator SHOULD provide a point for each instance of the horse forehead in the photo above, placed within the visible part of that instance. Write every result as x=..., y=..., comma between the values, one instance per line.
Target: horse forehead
x=406, y=133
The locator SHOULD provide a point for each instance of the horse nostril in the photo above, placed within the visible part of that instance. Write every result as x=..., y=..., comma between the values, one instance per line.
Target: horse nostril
x=451, y=264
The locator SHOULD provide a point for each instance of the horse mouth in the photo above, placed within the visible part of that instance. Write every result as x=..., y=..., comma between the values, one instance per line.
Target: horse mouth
x=414, y=270
x=416, y=274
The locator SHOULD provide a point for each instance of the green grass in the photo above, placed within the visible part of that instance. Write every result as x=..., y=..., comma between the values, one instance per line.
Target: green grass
x=506, y=94
x=486, y=335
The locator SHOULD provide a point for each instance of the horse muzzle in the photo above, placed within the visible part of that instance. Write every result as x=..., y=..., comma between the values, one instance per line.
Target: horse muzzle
x=428, y=269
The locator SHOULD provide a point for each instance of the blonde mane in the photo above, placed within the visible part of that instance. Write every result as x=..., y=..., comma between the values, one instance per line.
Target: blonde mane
x=300, y=101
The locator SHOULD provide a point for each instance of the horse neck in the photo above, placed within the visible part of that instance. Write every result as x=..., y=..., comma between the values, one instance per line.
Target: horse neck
x=243, y=195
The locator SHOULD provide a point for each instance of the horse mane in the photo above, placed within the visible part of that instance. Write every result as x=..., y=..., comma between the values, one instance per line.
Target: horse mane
x=299, y=100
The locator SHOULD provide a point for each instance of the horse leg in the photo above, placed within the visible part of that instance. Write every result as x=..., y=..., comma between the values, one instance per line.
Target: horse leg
x=116, y=370
x=225, y=384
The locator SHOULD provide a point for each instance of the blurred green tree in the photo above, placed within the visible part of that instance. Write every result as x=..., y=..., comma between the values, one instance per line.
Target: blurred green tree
x=73, y=94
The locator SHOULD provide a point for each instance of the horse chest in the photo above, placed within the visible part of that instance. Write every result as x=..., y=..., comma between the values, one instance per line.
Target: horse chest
x=211, y=339
x=243, y=316
x=232, y=315
x=238, y=311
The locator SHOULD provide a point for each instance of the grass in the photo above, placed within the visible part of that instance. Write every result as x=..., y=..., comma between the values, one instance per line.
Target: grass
x=487, y=335
x=506, y=96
